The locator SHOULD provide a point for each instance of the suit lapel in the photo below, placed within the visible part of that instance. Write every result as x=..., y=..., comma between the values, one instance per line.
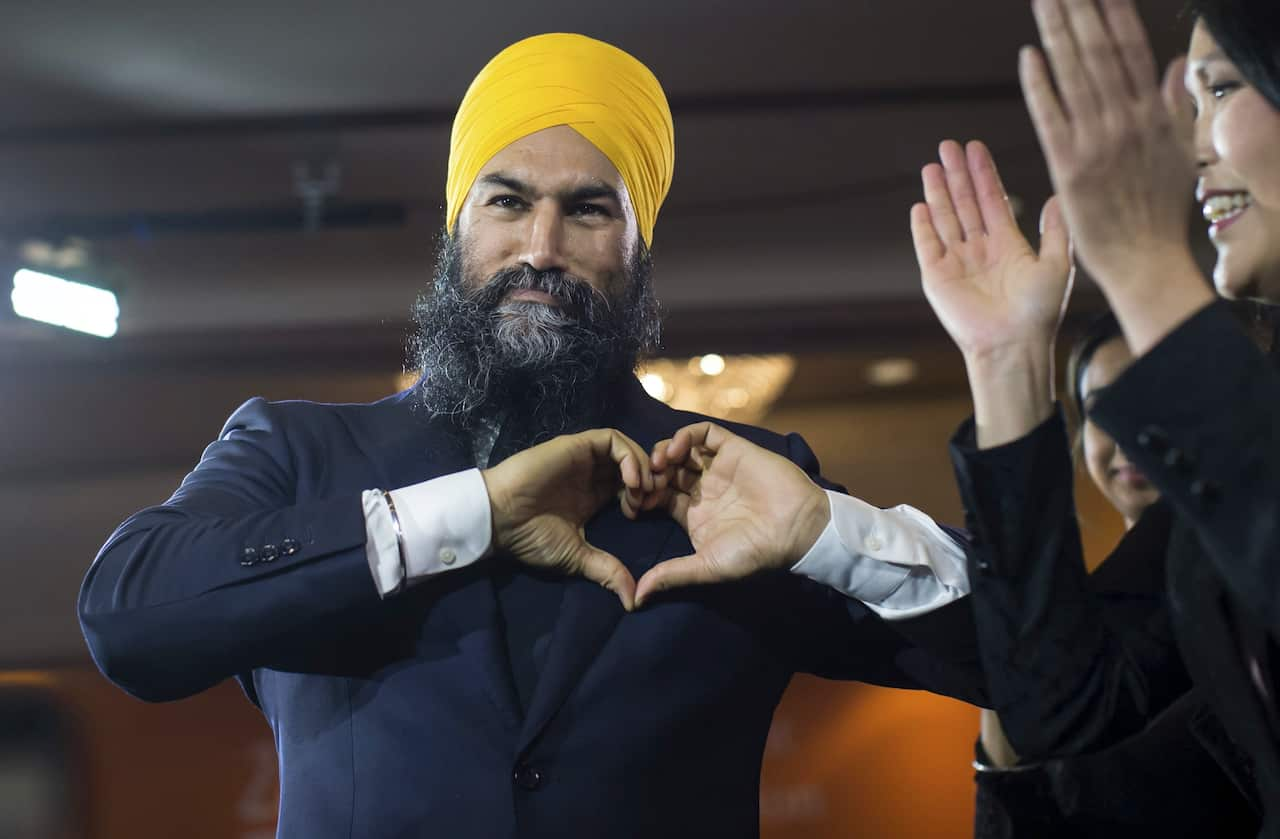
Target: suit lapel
x=417, y=450
x=588, y=612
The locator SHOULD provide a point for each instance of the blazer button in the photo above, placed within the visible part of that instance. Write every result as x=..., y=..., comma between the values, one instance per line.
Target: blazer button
x=1206, y=492
x=527, y=777
x=269, y=553
x=1178, y=460
x=1153, y=439
x=249, y=557
x=290, y=547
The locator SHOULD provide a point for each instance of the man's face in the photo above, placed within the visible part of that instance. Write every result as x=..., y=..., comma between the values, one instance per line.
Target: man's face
x=550, y=201
x=542, y=297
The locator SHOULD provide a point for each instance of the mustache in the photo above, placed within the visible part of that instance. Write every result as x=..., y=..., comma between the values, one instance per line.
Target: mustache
x=576, y=296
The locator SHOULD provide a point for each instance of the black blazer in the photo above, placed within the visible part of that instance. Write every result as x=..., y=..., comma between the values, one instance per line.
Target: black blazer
x=399, y=718
x=1070, y=673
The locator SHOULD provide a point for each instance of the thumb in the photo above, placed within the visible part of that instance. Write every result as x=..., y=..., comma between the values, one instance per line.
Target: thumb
x=1055, y=238
x=605, y=569
x=673, y=573
x=1178, y=102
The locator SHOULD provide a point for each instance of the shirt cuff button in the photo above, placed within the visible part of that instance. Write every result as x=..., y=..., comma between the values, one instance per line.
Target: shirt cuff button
x=447, y=556
x=873, y=544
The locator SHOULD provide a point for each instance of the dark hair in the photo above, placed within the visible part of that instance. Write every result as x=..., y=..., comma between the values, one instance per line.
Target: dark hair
x=1249, y=33
x=1099, y=331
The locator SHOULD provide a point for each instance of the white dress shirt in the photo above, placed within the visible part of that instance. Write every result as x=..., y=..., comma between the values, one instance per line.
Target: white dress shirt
x=897, y=561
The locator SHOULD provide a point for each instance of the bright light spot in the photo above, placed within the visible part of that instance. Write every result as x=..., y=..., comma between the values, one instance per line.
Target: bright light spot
x=655, y=386
x=891, y=372
x=711, y=364
x=737, y=397
x=65, y=303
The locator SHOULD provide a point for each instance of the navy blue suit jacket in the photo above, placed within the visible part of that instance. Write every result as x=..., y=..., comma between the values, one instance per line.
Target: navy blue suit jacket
x=399, y=718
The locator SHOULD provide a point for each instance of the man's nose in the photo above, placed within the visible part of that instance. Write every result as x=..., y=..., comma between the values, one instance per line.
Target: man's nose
x=544, y=239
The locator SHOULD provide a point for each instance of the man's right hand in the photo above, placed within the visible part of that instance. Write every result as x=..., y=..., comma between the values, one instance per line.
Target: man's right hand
x=543, y=496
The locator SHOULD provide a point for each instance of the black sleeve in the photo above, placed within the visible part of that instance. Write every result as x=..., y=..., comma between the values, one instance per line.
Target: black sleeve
x=1160, y=782
x=229, y=574
x=1068, y=670
x=1200, y=415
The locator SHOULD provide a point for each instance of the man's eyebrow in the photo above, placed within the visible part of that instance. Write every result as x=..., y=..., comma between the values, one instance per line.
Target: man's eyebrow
x=592, y=192
x=574, y=195
x=505, y=181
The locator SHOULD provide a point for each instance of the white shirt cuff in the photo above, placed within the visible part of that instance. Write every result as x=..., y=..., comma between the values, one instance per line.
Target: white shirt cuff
x=896, y=561
x=446, y=525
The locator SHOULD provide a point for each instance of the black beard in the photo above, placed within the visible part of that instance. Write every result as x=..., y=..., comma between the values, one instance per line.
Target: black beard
x=547, y=368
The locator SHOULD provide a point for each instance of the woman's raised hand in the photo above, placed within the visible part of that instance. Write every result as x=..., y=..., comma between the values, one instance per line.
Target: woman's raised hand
x=1116, y=140
x=990, y=289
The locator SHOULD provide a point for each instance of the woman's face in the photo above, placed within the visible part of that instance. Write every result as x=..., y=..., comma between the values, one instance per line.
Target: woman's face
x=1124, y=486
x=1238, y=148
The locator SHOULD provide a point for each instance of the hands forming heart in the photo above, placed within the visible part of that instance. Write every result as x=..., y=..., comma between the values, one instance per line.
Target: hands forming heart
x=745, y=508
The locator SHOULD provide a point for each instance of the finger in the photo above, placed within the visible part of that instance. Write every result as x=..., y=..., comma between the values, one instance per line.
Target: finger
x=1132, y=44
x=658, y=459
x=928, y=245
x=704, y=435
x=1179, y=104
x=686, y=479
x=993, y=200
x=678, y=507
x=1098, y=53
x=1065, y=58
x=938, y=198
x=671, y=574
x=632, y=460
x=1052, y=128
x=960, y=185
x=604, y=568
x=1055, y=240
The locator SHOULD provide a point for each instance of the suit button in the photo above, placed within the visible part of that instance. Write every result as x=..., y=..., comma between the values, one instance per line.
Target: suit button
x=1178, y=460
x=982, y=565
x=1206, y=492
x=290, y=547
x=269, y=553
x=1153, y=439
x=249, y=557
x=527, y=777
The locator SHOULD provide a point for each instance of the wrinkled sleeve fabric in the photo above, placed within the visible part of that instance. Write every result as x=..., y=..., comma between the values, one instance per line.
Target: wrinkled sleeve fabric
x=1068, y=669
x=231, y=573
x=898, y=561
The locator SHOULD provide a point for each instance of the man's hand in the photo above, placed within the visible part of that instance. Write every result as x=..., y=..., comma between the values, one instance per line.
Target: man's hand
x=542, y=497
x=745, y=509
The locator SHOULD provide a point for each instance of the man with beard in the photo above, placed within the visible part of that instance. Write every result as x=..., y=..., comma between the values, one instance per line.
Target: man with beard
x=414, y=591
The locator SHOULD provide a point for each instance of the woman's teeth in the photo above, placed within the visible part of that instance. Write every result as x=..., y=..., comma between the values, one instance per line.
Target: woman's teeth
x=1219, y=208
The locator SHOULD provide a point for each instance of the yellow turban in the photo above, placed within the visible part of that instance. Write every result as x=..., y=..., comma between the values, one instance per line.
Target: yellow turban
x=595, y=88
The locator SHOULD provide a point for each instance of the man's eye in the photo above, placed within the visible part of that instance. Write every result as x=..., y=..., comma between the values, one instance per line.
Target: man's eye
x=589, y=210
x=506, y=202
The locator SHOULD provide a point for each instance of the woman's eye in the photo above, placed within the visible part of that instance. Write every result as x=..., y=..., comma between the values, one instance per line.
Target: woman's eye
x=1221, y=89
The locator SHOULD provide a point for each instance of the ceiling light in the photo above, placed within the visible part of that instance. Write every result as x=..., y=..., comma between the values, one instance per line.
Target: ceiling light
x=711, y=364
x=65, y=303
x=892, y=372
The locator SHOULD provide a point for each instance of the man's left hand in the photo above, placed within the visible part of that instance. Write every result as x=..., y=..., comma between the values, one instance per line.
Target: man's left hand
x=745, y=508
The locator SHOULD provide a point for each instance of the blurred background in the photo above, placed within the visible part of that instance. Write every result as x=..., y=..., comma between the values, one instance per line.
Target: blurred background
x=260, y=186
